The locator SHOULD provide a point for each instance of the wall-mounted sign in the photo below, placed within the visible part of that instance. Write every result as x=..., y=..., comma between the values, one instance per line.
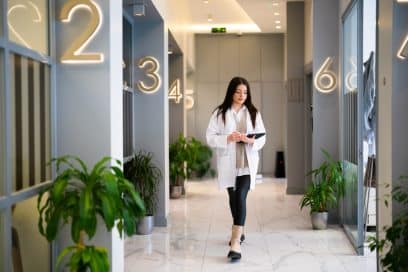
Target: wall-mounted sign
x=189, y=99
x=74, y=53
x=219, y=30
x=175, y=91
x=325, y=80
x=34, y=12
x=151, y=72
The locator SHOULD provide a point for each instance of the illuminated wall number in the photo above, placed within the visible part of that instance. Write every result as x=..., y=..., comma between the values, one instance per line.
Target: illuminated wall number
x=151, y=72
x=74, y=52
x=403, y=50
x=30, y=6
x=189, y=99
x=175, y=92
x=325, y=80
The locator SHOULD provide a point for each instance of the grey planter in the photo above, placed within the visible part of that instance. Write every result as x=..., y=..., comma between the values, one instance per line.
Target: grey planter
x=176, y=191
x=145, y=225
x=319, y=220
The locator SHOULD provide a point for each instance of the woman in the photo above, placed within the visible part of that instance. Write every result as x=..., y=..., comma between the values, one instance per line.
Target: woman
x=237, y=154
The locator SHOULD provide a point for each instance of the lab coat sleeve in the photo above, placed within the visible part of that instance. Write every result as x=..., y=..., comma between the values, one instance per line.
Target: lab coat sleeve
x=214, y=137
x=259, y=128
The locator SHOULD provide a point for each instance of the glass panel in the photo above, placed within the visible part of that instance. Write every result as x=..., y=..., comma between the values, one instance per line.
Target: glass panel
x=369, y=114
x=127, y=94
x=350, y=123
x=28, y=23
x=30, y=121
x=30, y=250
x=2, y=126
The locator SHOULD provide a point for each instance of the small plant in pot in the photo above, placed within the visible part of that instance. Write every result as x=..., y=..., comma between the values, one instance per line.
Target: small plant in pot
x=323, y=193
x=179, y=156
x=199, y=164
x=80, y=197
x=145, y=176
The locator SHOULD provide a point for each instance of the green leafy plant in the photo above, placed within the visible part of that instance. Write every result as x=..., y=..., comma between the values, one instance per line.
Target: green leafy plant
x=178, y=155
x=396, y=236
x=189, y=156
x=78, y=197
x=327, y=186
x=145, y=176
x=199, y=163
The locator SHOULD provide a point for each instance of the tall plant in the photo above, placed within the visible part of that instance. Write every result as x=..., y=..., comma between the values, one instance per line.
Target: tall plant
x=145, y=176
x=178, y=156
x=396, y=236
x=79, y=196
x=327, y=186
x=199, y=163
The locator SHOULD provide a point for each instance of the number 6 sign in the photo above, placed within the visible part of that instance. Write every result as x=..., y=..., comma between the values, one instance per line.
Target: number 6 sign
x=325, y=73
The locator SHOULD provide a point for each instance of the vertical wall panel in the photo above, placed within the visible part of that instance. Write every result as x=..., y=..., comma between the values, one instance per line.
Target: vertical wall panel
x=207, y=56
x=229, y=60
x=272, y=58
x=250, y=57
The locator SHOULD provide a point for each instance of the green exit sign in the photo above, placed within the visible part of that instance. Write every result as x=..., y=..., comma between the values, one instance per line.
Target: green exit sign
x=219, y=30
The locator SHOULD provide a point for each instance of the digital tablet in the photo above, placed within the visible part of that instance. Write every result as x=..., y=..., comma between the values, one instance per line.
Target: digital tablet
x=257, y=135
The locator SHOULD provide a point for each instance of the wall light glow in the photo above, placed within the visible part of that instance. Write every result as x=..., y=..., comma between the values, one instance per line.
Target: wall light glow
x=35, y=20
x=152, y=73
x=189, y=99
x=403, y=50
x=175, y=91
x=325, y=73
x=74, y=52
x=351, y=77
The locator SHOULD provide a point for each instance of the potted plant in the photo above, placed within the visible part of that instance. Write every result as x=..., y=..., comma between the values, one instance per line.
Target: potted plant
x=145, y=176
x=199, y=163
x=80, y=198
x=178, y=155
x=396, y=236
x=323, y=193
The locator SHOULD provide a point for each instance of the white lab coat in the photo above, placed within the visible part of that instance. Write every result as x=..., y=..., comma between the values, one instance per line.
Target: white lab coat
x=217, y=134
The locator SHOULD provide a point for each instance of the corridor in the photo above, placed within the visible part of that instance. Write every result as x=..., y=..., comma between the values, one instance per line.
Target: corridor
x=279, y=236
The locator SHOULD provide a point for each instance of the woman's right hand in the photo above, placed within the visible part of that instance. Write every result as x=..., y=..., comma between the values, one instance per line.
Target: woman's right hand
x=234, y=137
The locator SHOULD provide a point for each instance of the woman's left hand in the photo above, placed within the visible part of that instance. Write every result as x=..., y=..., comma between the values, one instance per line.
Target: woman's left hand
x=247, y=140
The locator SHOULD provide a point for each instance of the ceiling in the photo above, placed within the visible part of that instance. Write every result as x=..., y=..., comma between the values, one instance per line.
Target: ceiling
x=239, y=16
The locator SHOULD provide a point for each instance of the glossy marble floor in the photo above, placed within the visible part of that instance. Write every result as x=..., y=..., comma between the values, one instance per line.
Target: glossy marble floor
x=279, y=236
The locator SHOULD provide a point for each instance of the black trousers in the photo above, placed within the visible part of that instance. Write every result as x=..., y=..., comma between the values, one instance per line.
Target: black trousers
x=237, y=199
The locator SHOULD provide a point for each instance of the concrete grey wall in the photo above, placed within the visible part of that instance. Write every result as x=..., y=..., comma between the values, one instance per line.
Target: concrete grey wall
x=295, y=97
x=399, y=102
x=151, y=111
x=308, y=14
x=259, y=59
x=325, y=105
x=176, y=110
x=89, y=105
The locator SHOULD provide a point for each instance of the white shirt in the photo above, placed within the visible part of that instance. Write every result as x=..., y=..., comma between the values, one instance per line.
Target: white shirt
x=237, y=116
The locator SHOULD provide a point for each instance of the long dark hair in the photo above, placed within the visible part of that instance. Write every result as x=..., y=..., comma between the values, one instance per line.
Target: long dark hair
x=232, y=86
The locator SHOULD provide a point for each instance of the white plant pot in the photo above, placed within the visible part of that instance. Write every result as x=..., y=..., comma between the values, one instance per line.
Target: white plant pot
x=319, y=220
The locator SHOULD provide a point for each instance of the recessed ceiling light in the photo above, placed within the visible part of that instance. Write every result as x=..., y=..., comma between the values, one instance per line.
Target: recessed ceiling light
x=205, y=1
x=277, y=22
x=275, y=4
x=210, y=19
x=278, y=27
x=276, y=13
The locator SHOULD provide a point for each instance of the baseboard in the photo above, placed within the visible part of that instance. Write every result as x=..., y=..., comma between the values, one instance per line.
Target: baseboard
x=295, y=191
x=160, y=221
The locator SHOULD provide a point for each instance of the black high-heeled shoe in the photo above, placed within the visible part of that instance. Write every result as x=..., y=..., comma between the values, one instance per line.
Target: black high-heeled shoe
x=242, y=239
x=234, y=256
